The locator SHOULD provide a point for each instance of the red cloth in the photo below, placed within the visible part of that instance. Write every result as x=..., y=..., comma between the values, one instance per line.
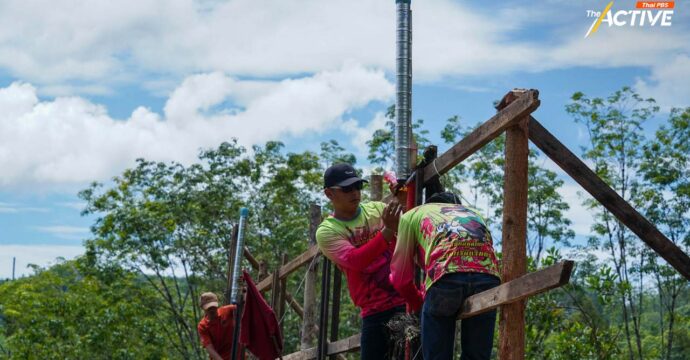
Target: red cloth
x=259, y=324
x=219, y=331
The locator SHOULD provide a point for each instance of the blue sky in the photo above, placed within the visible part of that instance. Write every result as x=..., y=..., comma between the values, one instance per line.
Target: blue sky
x=88, y=86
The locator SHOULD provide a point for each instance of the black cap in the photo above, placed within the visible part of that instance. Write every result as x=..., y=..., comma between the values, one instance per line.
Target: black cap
x=444, y=197
x=340, y=175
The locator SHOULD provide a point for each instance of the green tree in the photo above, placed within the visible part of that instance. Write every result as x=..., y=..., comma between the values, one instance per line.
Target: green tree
x=615, y=134
x=332, y=153
x=73, y=311
x=382, y=143
x=172, y=224
x=666, y=197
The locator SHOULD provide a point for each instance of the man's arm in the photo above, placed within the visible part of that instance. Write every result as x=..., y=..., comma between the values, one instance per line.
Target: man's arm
x=212, y=352
x=339, y=250
x=402, y=264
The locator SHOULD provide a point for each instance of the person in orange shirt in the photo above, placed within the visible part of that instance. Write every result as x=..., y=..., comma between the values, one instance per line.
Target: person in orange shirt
x=216, y=328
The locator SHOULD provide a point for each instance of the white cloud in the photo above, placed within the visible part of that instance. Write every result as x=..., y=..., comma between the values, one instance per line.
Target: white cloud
x=114, y=43
x=41, y=255
x=668, y=83
x=64, y=230
x=70, y=140
x=76, y=205
x=360, y=135
x=9, y=208
x=580, y=216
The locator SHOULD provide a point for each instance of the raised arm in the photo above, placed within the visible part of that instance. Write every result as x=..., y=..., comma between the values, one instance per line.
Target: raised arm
x=402, y=264
x=338, y=248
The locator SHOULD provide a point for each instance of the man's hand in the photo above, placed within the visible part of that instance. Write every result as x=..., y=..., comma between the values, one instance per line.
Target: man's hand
x=391, y=215
x=399, y=191
x=213, y=353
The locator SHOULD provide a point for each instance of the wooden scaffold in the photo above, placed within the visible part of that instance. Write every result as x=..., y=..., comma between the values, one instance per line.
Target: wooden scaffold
x=514, y=118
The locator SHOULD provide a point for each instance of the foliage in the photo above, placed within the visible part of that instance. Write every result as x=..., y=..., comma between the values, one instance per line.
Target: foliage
x=162, y=234
x=72, y=311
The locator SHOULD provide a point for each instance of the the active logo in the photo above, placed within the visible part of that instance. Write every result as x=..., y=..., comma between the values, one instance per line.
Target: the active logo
x=646, y=13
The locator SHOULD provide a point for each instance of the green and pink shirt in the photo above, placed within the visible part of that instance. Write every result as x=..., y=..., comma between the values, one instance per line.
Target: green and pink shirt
x=359, y=249
x=448, y=239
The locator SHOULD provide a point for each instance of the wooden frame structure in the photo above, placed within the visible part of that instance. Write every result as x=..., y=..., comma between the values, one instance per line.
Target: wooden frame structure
x=514, y=118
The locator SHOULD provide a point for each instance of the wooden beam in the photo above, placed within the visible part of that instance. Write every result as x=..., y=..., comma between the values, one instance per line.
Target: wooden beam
x=523, y=287
x=252, y=260
x=351, y=343
x=294, y=304
x=511, y=339
x=603, y=193
x=527, y=102
x=345, y=345
x=309, y=328
x=290, y=267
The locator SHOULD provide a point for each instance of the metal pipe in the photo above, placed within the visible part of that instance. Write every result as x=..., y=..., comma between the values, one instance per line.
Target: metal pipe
x=234, y=295
x=403, y=106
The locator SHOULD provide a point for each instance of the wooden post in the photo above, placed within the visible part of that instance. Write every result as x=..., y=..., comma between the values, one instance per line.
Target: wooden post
x=376, y=187
x=322, y=347
x=263, y=272
x=309, y=324
x=335, y=314
x=282, y=295
x=275, y=290
x=512, y=317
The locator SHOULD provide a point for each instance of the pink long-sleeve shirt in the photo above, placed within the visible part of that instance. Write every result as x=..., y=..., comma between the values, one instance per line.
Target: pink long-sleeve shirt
x=358, y=248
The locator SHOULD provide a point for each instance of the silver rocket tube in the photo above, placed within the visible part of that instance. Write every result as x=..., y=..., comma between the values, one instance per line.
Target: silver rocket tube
x=239, y=252
x=403, y=106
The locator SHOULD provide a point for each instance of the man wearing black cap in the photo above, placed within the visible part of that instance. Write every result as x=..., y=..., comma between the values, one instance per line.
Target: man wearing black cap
x=360, y=239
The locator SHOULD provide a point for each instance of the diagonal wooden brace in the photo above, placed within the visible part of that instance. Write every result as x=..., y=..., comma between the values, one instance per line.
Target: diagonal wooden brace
x=518, y=289
x=525, y=103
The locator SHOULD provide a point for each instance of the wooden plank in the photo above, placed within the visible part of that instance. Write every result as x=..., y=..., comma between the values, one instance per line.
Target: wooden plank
x=603, y=193
x=290, y=267
x=351, y=343
x=252, y=260
x=294, y=304
x=345, y=345
x=527, y=102
x=514, y=243
x=523, y=287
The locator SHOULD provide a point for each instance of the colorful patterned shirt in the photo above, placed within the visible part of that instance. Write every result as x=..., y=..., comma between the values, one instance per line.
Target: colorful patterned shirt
x=449, y=238
x=359, y=249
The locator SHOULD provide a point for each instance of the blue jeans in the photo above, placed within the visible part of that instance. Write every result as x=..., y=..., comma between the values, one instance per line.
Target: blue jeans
x=442, y=304
x=375, y=341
